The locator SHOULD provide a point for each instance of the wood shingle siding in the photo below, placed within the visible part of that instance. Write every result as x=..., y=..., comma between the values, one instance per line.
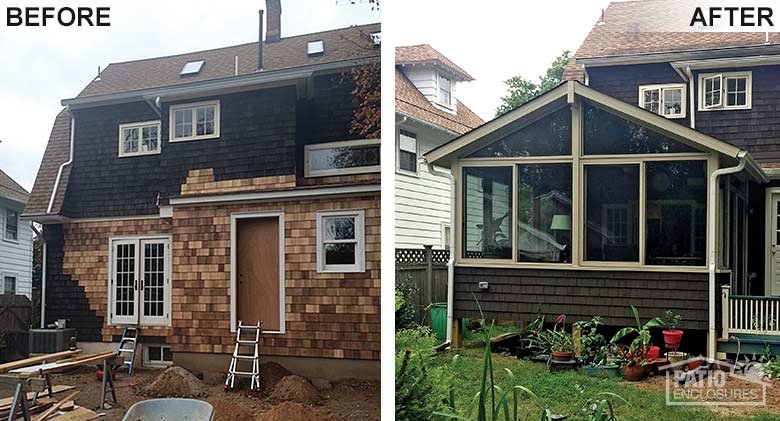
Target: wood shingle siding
x=513, y=294
x=334, y=315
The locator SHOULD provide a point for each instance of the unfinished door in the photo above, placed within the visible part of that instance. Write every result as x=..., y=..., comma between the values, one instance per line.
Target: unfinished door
x=258, y=266
x=774, y=244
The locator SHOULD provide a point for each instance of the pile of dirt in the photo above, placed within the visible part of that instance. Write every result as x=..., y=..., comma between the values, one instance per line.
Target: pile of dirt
x=294, y=411
x=175, y=382
x=270, y=374
x=296, y=389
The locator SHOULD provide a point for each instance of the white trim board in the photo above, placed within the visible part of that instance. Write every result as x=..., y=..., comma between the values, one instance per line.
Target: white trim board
x=280, y=194
x=234, y=217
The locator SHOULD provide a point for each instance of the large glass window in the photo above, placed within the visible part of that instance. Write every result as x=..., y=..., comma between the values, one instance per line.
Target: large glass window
x=548, y=136
x=487, y=213
x=676, y=213
x=341, y=158
x=607, y=134
x=612, y=213
x=544, y=213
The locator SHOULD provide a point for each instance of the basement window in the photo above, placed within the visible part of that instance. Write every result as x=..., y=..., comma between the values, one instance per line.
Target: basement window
x=341, y=241
x=157, y=355
x=139, y=138
x=192, y=68
x=725, y=91
x=194, y=121
x=315, y=47
x=666, y=100
x=341, y=158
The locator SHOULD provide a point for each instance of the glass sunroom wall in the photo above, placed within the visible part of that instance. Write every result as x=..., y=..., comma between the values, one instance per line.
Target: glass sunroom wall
x=544, y=212
x=487, y=216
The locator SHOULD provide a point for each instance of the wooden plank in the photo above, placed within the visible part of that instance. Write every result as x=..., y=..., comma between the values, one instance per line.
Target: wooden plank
x=43, y=369
x=78, y=414
x=39, y=359
x=5, y=403
x=56, y=406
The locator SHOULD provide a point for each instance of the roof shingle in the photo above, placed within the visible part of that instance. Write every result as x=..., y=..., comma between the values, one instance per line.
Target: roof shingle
x=11, y=189
x=57, y=152
x=424, y=53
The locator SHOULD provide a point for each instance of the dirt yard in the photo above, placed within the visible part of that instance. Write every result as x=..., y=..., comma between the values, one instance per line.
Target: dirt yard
x=342, y=400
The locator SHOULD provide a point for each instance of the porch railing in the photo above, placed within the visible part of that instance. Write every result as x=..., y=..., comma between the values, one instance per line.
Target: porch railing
x=749, y=314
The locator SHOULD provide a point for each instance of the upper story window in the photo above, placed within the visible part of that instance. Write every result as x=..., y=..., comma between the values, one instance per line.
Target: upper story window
x=341, y=158
x=666, y=100
x=407, y=152
x=194, y=121
x=139, y=138
x=11, y=225
x=9, y=285
x=731, y=90
x=445, y=91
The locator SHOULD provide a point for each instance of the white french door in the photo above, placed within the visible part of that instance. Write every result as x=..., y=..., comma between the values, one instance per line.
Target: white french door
x=774, y=245
x=140, y=284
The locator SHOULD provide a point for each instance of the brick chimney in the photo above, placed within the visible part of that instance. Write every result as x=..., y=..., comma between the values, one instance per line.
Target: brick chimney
x=273, y=32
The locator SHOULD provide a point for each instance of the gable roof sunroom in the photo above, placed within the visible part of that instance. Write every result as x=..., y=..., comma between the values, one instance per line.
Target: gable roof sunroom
x=567, y=93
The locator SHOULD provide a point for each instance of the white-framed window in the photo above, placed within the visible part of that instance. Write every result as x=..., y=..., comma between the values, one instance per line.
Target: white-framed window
x=408, y=151
x=194, y=121
x=667, y=100
x=445, y=91
x=140, y=280
x=341, y=158
x=139, y=138
x=341, y=241
x=157, y=355
x=9, y=284
x=725, y=91
x=11, y=225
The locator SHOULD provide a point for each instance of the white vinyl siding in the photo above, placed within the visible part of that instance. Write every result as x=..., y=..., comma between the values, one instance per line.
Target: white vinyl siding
x=16, y=255
x=422, y=205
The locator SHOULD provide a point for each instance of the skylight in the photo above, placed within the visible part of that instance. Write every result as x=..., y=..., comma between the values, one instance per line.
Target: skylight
x=192, y=68
x=377, y=38
x=316, y=47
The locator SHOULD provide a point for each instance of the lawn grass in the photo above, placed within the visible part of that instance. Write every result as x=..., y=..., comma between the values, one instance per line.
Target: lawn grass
x=562, y=392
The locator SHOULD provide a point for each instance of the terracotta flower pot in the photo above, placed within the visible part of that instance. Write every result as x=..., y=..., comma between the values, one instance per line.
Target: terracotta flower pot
x=562, y=356
x=634, y=372
x=653, y=353
x=693, y=365
x=672, y=338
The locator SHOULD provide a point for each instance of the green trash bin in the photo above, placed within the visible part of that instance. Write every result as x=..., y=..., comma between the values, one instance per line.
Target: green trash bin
x=439, y=320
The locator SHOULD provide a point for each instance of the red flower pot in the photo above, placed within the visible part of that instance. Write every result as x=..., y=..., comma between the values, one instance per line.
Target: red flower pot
x=672, y=338
x=653, y=353
x=694, y=364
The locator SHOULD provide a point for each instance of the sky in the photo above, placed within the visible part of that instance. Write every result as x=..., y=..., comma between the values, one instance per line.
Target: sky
x=497, y=40
x=43, y=65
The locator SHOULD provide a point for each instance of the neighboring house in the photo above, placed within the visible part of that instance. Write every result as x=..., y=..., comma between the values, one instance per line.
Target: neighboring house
x=428, y=114
x=183, y=194
x=16, y=239
x=662, y=152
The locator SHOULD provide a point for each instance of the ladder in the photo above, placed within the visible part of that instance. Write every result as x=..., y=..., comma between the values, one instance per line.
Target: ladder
x=243, y=341
x=127, y=345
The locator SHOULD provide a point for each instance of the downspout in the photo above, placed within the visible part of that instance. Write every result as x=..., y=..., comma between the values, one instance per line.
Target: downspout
x=451, y=261
x=691, y=96
x=64, y=164
x=712, y=232
x=43, y=275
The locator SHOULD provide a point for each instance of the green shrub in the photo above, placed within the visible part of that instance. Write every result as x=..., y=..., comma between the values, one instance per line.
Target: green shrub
x=419, y=386
x=405, y=307
x=419, y=339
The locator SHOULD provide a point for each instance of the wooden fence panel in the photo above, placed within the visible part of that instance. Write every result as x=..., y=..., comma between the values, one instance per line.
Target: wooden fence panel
x=15, y=320
x=427, y=270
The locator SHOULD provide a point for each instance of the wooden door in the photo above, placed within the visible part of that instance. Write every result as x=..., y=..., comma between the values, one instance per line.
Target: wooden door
x=774, y=244
x=258, y=292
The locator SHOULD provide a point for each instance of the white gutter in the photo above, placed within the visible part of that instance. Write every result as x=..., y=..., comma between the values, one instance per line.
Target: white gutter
x=691, y=96
x=451, y=261
x=64, y=164
x=712, y=232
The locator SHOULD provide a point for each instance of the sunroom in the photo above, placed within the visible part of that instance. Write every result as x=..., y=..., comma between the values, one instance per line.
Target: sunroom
x=583, y=204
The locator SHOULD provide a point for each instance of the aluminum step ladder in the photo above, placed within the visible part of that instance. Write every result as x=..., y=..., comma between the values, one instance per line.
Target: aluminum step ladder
x=127, y=347
x=243, y=341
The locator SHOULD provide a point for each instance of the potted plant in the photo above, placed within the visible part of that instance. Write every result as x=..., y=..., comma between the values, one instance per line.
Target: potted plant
x=635, y=359
x=672, y=336
x=526, y=345
x=558, y=342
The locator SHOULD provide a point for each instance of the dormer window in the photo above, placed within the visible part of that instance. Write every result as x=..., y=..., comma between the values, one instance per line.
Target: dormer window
x=445, y=91
x=666, y=100
x=725, y=91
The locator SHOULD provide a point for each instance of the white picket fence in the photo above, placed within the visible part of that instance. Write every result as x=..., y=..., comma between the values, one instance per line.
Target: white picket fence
x=749, y=314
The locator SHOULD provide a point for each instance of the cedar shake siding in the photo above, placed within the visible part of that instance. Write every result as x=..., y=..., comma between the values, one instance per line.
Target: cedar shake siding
x=513, y=294
x=757, y=129
x=329, y=315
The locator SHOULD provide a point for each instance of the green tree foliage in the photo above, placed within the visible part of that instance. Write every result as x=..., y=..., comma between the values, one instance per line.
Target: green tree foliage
x=521, y=90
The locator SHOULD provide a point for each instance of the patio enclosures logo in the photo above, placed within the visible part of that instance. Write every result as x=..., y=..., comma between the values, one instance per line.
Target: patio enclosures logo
x=64, y=16
x=701, y=382
x=682, y=16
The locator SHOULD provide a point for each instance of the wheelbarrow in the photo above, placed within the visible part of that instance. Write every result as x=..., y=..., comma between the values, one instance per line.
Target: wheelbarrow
x=170, y=409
